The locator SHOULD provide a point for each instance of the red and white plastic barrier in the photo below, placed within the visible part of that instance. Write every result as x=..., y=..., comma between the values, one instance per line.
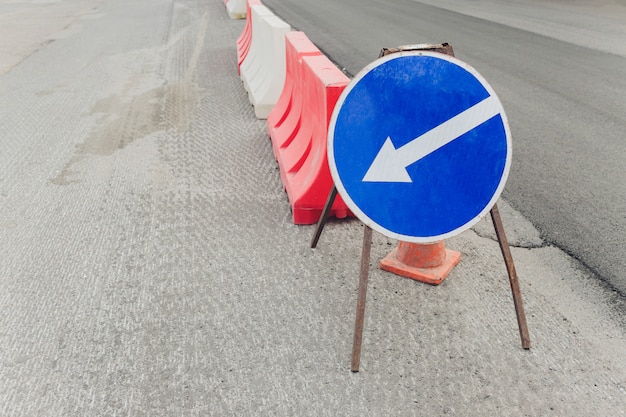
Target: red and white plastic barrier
x=236, y=9
x=303, y=160
x=245, y=39
x=263, y=70
x=285, y=119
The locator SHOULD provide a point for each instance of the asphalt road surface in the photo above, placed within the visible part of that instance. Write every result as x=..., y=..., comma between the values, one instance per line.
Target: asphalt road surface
x=560, y=71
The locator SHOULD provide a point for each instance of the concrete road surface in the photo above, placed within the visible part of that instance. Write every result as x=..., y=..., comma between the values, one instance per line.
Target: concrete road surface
x=149, y=265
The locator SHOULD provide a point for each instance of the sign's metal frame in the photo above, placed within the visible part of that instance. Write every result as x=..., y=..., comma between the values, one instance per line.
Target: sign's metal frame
x=443, y=48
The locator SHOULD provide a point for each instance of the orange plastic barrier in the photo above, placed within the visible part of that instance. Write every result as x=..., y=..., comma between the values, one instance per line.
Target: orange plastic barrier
x=284, y=120
x=245, y=39
x=303, y=160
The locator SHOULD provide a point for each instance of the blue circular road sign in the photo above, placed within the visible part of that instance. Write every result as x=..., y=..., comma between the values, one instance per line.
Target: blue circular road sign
x=419, y=146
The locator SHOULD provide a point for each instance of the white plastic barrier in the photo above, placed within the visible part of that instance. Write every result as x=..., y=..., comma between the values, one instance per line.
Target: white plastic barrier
x=253, y=62
x=263, y=70
x=236, y=9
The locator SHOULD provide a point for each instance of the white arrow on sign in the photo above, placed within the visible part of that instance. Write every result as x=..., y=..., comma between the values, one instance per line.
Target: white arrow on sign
x=390, y=164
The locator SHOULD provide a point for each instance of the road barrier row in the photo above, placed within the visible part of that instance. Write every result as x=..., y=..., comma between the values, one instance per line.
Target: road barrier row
x=271, y=66
x=295, y=87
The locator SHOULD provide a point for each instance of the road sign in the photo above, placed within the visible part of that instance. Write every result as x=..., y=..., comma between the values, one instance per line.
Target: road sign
x=419, y=146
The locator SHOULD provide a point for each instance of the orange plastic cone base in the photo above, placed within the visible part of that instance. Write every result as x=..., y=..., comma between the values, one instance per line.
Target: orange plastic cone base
x=429, y=263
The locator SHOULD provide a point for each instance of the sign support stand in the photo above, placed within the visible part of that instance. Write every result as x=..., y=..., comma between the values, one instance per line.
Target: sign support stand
x=364, y=277
x=362, y=295
x=324, y=217
x=510, y=269
x=367, y=244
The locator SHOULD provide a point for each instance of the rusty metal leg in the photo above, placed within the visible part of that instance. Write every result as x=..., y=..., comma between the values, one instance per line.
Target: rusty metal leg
x=360, y=305
x=322, y=221
x=510, y=268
